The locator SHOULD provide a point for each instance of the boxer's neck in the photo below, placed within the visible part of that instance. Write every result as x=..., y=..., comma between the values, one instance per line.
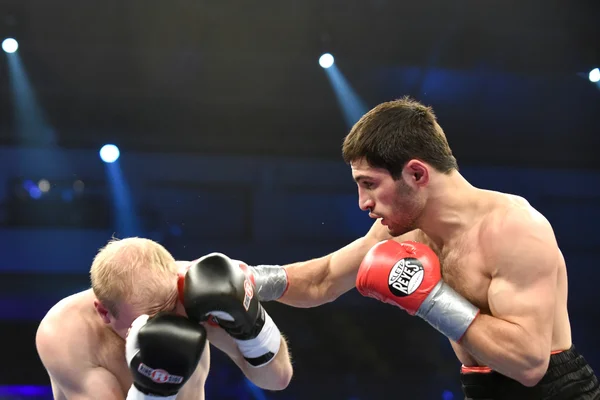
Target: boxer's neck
x=452, y=205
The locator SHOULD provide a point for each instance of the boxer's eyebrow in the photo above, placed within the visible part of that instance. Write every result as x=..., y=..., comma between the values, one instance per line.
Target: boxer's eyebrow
x=358, y=178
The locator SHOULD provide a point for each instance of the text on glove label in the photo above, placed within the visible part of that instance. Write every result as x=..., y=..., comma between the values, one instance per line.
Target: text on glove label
x=405, y=277
x=159, y=375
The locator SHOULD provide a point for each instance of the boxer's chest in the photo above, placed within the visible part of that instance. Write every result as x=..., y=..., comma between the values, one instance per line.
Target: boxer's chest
x=465, y=275
x=463, y=268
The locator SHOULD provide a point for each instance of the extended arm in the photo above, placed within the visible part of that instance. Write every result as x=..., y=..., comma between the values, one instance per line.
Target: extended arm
x=321, y=280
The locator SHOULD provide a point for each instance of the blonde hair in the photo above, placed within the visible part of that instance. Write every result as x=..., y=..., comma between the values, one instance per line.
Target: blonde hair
x=135, y=270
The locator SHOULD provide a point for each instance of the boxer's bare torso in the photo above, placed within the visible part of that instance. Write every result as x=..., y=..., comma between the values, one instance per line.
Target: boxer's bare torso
x=467, y=268
x=495, y=250
x=85, y=358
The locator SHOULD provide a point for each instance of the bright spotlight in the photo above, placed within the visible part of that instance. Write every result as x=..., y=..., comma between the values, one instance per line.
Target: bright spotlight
x=594, y=75
x=10, y=45
x=326, y=60
x=109, y=153
x=44, y=185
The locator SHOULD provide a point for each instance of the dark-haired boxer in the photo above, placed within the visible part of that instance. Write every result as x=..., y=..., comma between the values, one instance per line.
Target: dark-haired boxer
x=486, y=272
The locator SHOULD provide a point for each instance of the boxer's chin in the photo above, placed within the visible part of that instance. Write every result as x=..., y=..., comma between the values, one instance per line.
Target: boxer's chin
x=396, y=230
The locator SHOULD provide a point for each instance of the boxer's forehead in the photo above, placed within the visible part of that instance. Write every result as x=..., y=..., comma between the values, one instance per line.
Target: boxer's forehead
x=361, y=169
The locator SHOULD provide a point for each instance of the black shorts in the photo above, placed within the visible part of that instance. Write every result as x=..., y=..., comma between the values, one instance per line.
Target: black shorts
x=569, y=377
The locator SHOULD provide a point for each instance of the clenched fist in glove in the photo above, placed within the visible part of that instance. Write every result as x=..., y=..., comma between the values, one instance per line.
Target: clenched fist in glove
x=408, y=275
x=218, y=287
x=163, y=353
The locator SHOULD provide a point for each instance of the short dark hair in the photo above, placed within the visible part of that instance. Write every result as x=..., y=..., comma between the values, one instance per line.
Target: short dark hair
x=392, y=133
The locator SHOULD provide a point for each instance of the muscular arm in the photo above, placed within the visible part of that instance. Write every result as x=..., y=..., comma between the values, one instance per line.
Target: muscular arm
x=322, y=280
x=275, y=375
x=516, y=341
x=74, y=380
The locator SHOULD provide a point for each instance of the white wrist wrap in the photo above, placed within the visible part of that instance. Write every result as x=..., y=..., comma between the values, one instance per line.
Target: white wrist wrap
x=448, y=312
x=135, y=394
x=267, y=343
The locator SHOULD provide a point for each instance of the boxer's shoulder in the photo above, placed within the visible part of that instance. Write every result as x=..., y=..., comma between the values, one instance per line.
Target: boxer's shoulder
x=67, y=332
x=513, y=227
x=512, y=215
x=511, y=208
x=64, y=340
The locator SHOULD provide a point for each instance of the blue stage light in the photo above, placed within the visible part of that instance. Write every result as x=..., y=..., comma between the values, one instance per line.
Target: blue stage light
x=10, y=45
x=326, y=60
x=109, y=153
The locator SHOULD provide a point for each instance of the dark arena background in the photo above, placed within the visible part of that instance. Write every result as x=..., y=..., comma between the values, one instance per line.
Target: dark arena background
x=225, y=120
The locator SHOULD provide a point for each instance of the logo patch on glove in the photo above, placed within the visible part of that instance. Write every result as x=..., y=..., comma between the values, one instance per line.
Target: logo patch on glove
x=159, y=375
x=405, y=277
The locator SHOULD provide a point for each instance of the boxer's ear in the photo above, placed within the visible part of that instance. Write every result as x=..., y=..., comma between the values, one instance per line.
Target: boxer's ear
x=102, y=311
x=416, y=173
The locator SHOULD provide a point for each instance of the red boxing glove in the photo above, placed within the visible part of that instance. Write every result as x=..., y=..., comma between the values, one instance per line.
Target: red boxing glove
x=401, y=274
x=408, y=276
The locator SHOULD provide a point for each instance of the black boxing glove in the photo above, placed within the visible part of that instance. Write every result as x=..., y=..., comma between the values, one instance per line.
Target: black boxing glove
x=163, y=353
x=216, y=286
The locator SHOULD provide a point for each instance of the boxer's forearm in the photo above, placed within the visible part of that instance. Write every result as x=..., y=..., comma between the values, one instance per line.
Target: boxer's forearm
x=507, y=348
x=303, y=284
x=322, y=280
x=308, y=283
x=275, y=375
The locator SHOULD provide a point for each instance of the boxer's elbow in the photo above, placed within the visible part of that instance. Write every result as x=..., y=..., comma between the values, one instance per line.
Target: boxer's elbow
x=278, y=380
x=285, y=377
x=535, y=369
x=532, y=376
x=276, y=375
x=286, y=370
